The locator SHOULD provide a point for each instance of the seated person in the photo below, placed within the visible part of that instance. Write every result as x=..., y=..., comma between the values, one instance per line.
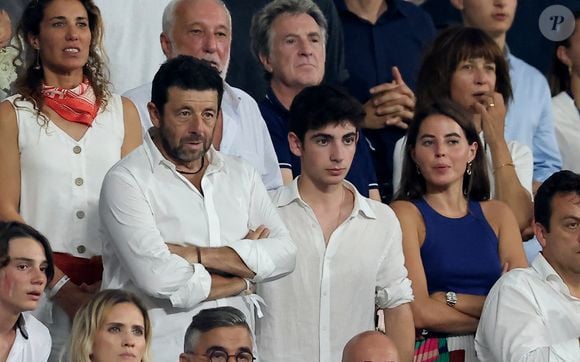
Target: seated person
x=467, y=66
x=26, y=267
x=370, y=346
x=456, y=241
x=533, y=314
x=565, y=84
x=217, y=334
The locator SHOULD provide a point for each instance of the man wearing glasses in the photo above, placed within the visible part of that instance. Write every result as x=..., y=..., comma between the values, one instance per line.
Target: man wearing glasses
x=216, y=335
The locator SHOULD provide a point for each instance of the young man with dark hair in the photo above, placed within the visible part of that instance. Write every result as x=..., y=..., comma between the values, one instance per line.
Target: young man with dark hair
x=182, y=220
x=349, y=247
x=26, y=267
x=532, y=314
x=218, y=334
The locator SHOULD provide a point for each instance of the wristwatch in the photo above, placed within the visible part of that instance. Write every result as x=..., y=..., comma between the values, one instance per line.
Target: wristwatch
x=451, y=299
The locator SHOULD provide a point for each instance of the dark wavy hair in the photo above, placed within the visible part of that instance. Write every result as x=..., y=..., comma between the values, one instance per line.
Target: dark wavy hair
x=452, y=46
x=14, y=229
x=29, y=81
x=559, y=74
x=413, y=184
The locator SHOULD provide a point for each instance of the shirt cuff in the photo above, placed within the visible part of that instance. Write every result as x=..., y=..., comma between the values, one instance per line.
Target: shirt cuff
x=395, y=295
x=261, y=266
x=195, y=291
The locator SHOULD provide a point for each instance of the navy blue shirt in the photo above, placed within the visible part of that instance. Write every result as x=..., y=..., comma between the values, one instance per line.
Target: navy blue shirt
x=361, y=173
x=371, y=50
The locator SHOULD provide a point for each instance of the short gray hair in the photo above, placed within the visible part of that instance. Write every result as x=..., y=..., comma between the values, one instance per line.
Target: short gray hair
x=261, y=30
x=212, y=318
x=168, y=19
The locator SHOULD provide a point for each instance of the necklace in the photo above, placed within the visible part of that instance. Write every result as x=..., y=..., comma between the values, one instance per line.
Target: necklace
x=193, y=173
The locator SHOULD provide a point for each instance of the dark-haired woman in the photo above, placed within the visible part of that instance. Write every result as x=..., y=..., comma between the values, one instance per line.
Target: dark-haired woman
x=59, y=135
x=456, y=242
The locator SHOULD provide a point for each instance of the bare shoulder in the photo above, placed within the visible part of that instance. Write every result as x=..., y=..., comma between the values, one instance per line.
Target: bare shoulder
x=407, y=213
x=496, y=212
x=7, y=115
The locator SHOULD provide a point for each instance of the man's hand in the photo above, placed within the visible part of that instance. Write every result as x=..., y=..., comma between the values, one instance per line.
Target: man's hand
x=188, y=253
x=72, y=297
x=261, y=232
x=391, y=104
x=5, y=29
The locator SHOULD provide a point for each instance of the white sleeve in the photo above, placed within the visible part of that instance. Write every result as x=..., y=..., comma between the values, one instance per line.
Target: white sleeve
x=523, y=160
x=511, y=328
x=393, y=288
x=274, y=256
x=398, y=156
x=129, y=224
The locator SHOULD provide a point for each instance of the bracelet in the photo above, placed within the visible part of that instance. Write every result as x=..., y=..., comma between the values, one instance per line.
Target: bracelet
x=51, y=293
x=248, y=289
x=503, y=165
x=198, y=250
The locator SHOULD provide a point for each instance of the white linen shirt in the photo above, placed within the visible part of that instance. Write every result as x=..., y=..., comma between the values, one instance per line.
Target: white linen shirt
x=245, y=134
x=331, y=295
x=145, y=203
x=529, y=315
x=32, y=342
x=567, y=122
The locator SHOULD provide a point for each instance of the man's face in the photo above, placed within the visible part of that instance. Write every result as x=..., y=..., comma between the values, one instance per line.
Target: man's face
x=22, y=281
x=495, y=17
x=222, y=341
x=326, y=154
x=187, y=125
x=202, y=30
x=297, y=51
x=562, y=244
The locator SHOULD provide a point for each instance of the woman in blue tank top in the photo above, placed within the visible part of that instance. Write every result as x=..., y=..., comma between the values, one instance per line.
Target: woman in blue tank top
x=456, y=241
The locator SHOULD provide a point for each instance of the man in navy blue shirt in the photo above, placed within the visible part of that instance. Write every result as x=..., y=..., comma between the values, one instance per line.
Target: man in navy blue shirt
x=289, y=37
x=380, y=35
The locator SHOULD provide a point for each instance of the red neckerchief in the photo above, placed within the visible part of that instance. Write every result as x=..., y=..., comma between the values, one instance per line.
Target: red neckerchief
x=77, y=105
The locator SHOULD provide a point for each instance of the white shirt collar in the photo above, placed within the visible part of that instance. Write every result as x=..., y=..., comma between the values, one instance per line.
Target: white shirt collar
x=290, y=193
x=155, y=157
x=549, y=275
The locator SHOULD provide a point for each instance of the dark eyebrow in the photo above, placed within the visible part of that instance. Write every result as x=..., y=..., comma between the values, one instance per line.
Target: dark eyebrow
x=20, y=258
x=321, y=134
x=452, y=134
x=245, y=349
x=60, y=17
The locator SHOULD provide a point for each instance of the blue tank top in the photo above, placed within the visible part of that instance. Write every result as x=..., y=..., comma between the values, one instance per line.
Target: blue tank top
x=459, y=254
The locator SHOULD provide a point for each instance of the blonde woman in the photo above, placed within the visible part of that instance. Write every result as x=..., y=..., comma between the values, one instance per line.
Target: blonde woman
x=113, y=326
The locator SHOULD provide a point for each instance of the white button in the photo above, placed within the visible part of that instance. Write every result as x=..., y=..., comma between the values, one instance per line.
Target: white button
x=79, y=181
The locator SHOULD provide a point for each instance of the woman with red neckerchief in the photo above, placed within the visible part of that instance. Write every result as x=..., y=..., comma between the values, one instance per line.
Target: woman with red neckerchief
x=59, y=134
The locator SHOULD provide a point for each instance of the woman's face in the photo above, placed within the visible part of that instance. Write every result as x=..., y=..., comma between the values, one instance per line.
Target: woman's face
x=472, y=82
x=121, y=336
x=442, y=151
x=64, y=37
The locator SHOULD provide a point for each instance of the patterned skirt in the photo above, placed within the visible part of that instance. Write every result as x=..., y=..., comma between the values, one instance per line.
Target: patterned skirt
x=445, y=349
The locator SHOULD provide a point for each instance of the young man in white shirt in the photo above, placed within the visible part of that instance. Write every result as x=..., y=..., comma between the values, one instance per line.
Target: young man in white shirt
x=25, y=269
x=349, y=247
x=533, y=314
x=186, y=227
x=217, y=334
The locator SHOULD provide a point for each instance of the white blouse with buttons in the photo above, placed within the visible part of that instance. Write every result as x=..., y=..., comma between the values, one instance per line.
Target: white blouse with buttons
x=61, y=178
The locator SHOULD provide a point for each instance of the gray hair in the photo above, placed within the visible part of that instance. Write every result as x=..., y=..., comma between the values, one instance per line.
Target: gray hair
x=212, y=318
x=168, y=19
x=261, y=30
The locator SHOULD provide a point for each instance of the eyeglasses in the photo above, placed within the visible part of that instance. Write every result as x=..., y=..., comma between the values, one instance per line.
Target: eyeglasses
x=219, y=355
